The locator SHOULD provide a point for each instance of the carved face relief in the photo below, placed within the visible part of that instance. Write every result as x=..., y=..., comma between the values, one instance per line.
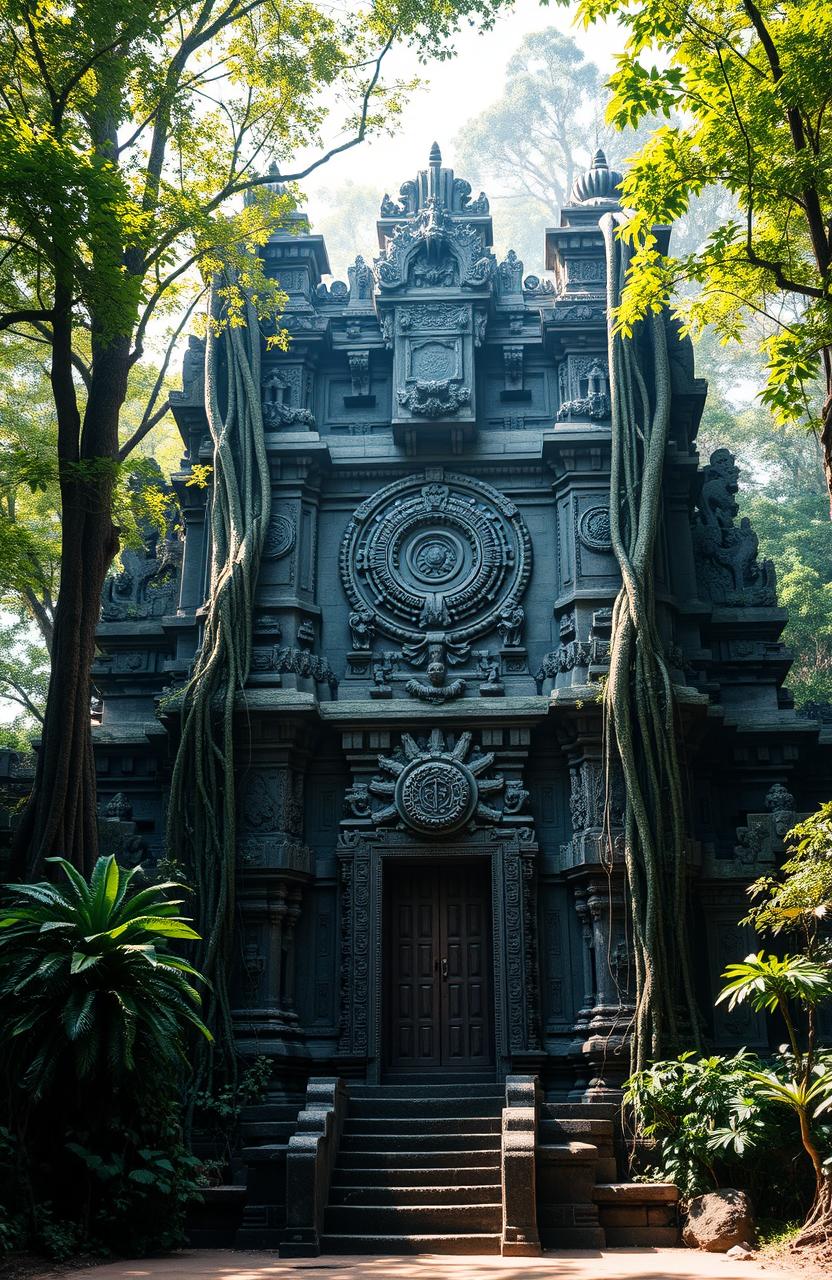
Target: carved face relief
x=447, y=553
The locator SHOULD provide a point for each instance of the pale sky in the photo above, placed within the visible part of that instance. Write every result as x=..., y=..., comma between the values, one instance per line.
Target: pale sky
x=456, y=91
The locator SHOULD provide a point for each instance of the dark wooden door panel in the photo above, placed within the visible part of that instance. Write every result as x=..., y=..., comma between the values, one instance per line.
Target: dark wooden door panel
x=414, y=991
x=438, y=1006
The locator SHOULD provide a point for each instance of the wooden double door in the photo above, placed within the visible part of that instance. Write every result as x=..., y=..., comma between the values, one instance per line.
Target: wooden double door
x=439, y=1001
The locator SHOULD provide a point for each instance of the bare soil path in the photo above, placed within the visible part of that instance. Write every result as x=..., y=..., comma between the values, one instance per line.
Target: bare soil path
x=611, y=1264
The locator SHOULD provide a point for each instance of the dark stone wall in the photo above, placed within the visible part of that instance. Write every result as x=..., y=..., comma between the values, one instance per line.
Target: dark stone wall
x=432, y=620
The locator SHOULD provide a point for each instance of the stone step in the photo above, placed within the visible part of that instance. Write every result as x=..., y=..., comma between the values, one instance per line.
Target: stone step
x=429, y=1091
x=424, y=1126
x=266, y=1153
x=412, y=1219
x=270, y=1111
x=418, y=1193
x=399, y=1176
x=574, y=1238
x=408, y=1158
x=578, y=1110
x=583, y=1130
x=477, y=1104
x=254, y=1131
x=438, y=1079
x=570, y=1226
x=420, y=1142
x=474, y=1243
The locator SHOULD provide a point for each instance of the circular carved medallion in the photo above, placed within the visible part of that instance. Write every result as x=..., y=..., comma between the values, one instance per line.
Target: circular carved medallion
x=280, y=537
x=436, y=795
x=594, y=529
x=435, y=554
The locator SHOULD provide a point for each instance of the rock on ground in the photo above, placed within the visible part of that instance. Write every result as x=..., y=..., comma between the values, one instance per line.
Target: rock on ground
x=719, y=1220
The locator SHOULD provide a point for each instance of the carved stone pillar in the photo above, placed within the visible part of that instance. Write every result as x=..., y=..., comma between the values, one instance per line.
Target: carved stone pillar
x=292, y=916
x=277, y=921
x=273, y=866
x=587, y=959
x=597, y=874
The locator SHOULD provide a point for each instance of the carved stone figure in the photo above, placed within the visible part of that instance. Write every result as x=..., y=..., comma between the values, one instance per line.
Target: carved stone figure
x=728, y=570
x=595, y=405
x=362, y=628
x=361, y=281
x=510, y=624
x=147, y=585
x=277, y=409
x=516, y=797
x=510, y=273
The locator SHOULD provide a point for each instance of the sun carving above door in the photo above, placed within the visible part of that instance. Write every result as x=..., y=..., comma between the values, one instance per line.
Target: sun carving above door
x=439, y=553
x=431, y=788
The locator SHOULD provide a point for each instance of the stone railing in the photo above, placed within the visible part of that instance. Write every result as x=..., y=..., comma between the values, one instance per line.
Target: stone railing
x=519, y=1136
x=309, y=1164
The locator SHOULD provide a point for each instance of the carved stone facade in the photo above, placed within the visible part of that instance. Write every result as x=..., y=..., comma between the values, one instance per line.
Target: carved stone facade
x=431, y=625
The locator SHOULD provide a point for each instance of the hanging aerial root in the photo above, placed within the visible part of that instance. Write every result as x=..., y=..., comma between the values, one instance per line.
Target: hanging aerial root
x=201, y=829
x=640, y=720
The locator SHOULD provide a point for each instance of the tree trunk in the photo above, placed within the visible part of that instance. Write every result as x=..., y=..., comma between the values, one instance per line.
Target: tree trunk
x=826, y=425
x=817, y=1229
x=60, y=818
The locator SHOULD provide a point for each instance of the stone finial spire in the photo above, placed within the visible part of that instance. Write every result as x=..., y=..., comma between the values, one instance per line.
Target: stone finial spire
x=599, y=185
x=435, y=173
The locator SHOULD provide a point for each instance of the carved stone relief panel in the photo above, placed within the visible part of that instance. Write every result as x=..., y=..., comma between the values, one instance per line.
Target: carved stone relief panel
x=437, y=552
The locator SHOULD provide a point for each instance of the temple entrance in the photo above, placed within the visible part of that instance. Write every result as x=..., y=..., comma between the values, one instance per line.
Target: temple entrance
x=438, y=999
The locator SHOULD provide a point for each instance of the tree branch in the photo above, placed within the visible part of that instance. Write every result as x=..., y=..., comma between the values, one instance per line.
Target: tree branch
x=26, y=315
x=149, y=417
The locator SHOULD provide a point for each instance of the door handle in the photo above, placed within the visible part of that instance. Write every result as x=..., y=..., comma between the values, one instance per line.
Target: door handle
x=444, y=968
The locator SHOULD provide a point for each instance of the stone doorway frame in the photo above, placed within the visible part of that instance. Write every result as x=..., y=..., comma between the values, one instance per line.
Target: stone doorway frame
x=514, y=943
x=431, y=858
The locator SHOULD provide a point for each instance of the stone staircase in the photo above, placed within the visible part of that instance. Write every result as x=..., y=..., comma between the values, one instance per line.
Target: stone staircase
x=418, y=1170
x=266, y=1128
x=446, y=1167
x=575, y=1152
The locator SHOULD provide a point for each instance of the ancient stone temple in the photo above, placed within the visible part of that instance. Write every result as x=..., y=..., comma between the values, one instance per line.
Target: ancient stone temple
x=428, y=904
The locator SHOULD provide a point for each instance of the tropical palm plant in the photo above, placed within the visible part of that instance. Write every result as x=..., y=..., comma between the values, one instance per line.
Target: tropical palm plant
x=791, y=984
x=89, y=987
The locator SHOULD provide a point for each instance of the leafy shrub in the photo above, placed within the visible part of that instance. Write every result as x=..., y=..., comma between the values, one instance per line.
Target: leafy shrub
x=713, y=1126
x=217, y=1117
x=94, y=1004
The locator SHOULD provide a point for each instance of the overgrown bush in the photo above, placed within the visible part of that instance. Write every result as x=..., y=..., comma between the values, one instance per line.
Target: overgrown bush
x=743, y=1120
x=712, y=1126
x=93, y=1008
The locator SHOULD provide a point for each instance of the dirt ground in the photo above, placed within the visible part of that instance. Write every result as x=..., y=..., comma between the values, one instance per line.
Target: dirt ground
x=611, y=1264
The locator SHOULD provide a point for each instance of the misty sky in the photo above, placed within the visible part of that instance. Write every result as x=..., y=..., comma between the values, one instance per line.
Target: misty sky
x=454, y=92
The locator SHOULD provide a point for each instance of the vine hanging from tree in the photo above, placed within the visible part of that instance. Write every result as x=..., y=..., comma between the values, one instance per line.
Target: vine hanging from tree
x=201, y=826
x=639, y=704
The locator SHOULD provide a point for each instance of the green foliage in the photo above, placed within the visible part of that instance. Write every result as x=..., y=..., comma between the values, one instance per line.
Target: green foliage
x=88, y=984
x=217, y=1114
x=744, y=88
x=94, y=1004
x=726, y=1119
x=766, y=982
x=799, y=897
x=712, y=1124
x=795, y=987
x=527, y=148
x=24, y=680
